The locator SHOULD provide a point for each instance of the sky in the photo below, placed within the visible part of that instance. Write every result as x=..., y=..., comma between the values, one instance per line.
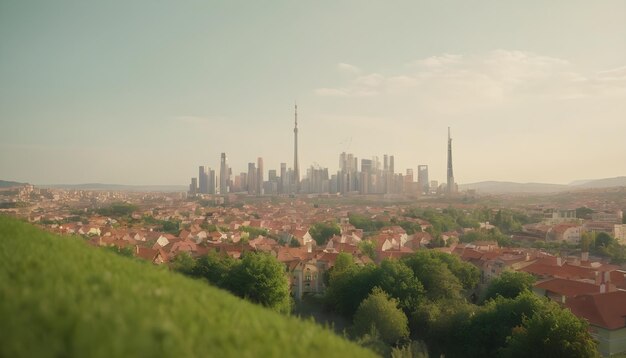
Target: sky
x=143, y=92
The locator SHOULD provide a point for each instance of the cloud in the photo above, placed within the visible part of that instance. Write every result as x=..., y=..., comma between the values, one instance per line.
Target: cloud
x=348, y=68
x=453, y=83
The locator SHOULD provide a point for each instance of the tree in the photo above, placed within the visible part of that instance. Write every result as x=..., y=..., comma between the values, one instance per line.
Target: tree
x=380, y=311
x=183, y=263
x=347, y=288
x=321, y=232
x=603, y=240
x=214, y=268
x=509, y=284
x=439, y=282
x=551, y=332
x=260, y=278
x=368, y=248
x=399, y=281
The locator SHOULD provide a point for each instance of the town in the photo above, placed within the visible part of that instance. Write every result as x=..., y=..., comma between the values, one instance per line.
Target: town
x=575, y=252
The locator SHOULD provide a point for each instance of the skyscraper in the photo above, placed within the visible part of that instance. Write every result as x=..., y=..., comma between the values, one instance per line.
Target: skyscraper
x=252, y=179
x=451, y=187
x=296, y=168
x=259, y=176
x=203, y=180
x=422, y=178
x=224, y=175
x=283, y=178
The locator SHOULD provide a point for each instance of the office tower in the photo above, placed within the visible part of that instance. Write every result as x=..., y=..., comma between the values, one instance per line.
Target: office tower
x=211, y=183
x=203, y=180
x=193, y=187
x=224, y=175
x=451, y=187
x=385, y=162
x=422, y=178
x=283, y=178
x=252, y=173
x=259, y=176
x=296, y=168
x=392, y=166
x=366, y=176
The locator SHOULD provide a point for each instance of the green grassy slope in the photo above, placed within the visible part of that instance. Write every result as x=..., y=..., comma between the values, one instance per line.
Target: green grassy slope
x=61, y=298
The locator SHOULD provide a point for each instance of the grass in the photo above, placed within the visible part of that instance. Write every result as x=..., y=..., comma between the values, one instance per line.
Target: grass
x=61, y=298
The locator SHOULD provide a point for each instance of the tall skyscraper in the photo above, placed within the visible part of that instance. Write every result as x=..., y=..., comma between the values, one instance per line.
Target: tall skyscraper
x=259, y=176
x=252, y=179
x=283, y=178
x=296, y=168
x=451, y=187
x=224, y=175
x=422, y=178
x=203, y=180
x=193, y=187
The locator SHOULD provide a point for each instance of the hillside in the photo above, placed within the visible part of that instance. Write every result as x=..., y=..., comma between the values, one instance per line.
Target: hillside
x=500, y=187
x=117, y=187
x=59, y=297
x=10, y=184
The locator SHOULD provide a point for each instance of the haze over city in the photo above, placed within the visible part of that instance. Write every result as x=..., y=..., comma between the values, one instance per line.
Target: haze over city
x=144, y=93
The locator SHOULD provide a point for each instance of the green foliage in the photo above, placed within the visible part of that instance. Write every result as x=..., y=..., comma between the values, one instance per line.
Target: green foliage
x=584, y=213
x=214, y=268
x=254, y=231
x=487, y=235
x=508, y=221
x=603, y=240
x=380, y=311
x=410, y=227
x=168, y=226
x=117, y=210
x=123, y=251
x=366, y=224
x=350, y=284
x=349, y=287
x=183, y=263
x=62, y=298
x=414, y=349
x=373, y=342
x=551, y=332
x=439, y=282
x=322, y=232
x=260, y=278
x=368, y=248
x=399, y=281
x=468, y=274
x=509, y=285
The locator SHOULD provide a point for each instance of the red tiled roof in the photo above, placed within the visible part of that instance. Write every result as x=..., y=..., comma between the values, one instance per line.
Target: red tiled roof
x=568, y=288
x=606, y=310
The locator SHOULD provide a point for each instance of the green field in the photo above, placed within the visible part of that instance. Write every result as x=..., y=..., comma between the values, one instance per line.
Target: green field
x=62, y=298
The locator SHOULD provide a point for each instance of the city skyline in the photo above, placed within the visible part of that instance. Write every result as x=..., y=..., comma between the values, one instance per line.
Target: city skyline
x=534, y=92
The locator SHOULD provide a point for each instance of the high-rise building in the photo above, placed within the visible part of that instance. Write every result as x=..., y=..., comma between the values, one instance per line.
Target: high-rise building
x=259, y=176
x=283, y=179
x=193, y=187
x=366, y=176
x=211, y=183
x=451, y=188
x=296, y=168
x=203, y=180
x=252, y=176
x=224, y=175
x=422, y=178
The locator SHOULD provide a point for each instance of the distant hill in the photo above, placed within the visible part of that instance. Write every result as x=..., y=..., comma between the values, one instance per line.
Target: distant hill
x=9, y=184
x=61, y=298
x=500, y=187
x=603, y=183
x=117, y=187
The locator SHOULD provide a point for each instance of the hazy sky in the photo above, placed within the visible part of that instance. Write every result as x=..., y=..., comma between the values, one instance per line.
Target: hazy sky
x=142, y=92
